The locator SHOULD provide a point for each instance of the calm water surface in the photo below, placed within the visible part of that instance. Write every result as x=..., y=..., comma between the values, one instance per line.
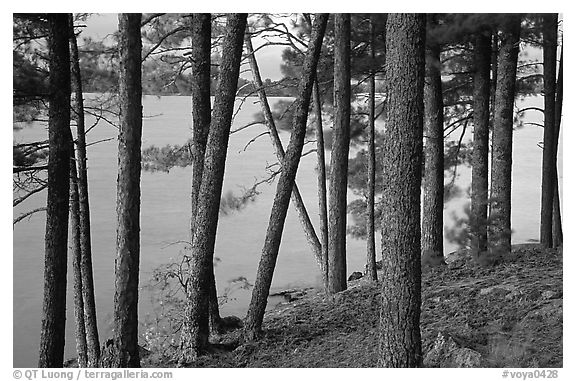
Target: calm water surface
x=165, y=218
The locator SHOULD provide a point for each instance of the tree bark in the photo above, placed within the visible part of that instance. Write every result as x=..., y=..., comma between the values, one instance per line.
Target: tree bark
x=370, y=227
x=400, y=340
x=56, y=240
x=481, y=107
x=557, y=235
x=128, y=193
x=500, y=213
x=339, y=156
x=550, y=33
x=201, y=115
x=433, y=201
x=80, y=332
x=194, y=337
x=321, y=180
x=285, y=185
x=89, y=302
x=279, y=149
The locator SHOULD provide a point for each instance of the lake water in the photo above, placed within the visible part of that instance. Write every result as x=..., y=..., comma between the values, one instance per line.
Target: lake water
x=165, y=217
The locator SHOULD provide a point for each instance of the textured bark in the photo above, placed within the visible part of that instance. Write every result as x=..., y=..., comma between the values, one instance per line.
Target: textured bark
x=339, y=156
x=128, y=194
x=400, y=340
x=194, y=337
x=80, y=331
x=557, y=235
x=500, y=229
x=370, y=225
x=550, y=34
x=321, y=180
x=433, y=187
x=279, y=149
x=481, y=106
x=56, y=240
x=201, y=109
x=285, y=185
x=90, y=322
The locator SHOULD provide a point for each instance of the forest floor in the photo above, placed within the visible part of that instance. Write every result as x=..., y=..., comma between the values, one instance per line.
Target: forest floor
x=508, y=315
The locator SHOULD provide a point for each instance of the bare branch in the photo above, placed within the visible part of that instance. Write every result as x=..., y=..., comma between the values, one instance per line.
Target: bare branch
x=27, y=214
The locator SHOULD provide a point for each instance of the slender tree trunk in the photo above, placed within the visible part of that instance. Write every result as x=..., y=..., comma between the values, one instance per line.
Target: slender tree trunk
x=80, y=332
x=557, y=236
x=285, y=185
x=500, y=213
x=481, y=106
x=321, y=179
x=370, y=227
x=550, y=32
x=201, y=114
x=194, y=337
x=279, y=149
x=56, y=241
x=493, y=80
x=400, y=340
x=128, y=194
x=90, y=321
x=321, y=174
x=339, y=157
x=433, y=203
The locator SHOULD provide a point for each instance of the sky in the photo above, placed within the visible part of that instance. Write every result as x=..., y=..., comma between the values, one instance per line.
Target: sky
x=100, y=25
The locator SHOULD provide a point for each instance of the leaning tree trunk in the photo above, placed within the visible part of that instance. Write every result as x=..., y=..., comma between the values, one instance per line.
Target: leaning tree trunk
x=80, y=331
x=56, y=240
x=500, y=212
x=321, y=179
x=481, y=107
x=339, y=158
x=550, y=32
x=201, y=109
x=557, y=236
x=309, y=231
x=433, y=187
x=89, y=302
x=400, y=340
x=194, y=337
x=285, y=185
x=370, y=225
x=125, y=346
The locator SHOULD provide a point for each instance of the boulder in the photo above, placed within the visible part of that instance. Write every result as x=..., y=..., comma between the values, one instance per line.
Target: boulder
x=445, y=353
x=355, y=276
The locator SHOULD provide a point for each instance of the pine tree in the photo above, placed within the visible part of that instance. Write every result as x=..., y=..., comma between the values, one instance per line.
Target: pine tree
x=125, y=346
x=400, y=340
x=56, y=241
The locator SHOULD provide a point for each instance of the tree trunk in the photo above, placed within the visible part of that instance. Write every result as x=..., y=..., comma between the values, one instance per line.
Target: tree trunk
x=194, y=337
x=400, y=340
x=90, y=321
x=80, y=332
x=371, y=239
x=550, y=33
x=128, y=193
x=279, y=149
x=557, y=236
x=481, y=106
x=321, y=179
x=433, y=203
x=56, y=240
x=339, y=157
x=285, y=185
x=500, y=232
x=201, y=110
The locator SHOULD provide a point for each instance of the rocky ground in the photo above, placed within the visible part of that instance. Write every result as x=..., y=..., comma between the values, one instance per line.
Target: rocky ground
x=508, y=315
